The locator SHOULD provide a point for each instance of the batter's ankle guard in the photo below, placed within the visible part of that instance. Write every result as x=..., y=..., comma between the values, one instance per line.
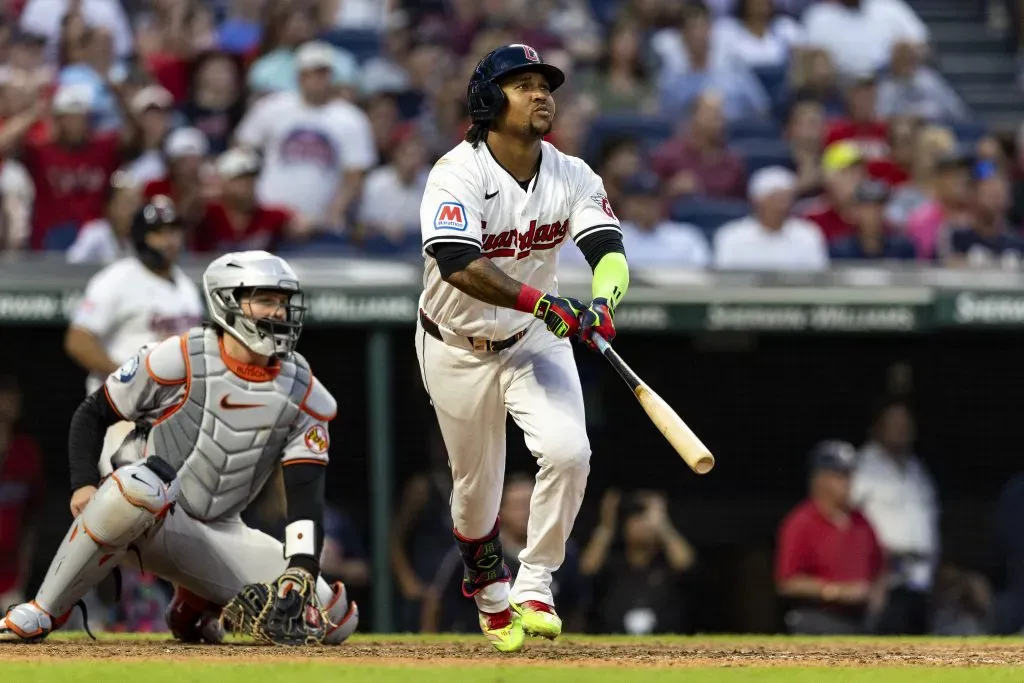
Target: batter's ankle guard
x=484, y=561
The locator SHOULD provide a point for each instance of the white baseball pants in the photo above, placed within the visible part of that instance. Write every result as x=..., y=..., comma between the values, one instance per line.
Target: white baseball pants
x=536, y=382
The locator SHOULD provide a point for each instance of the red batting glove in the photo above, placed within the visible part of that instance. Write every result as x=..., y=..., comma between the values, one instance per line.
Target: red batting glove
x=597, y=318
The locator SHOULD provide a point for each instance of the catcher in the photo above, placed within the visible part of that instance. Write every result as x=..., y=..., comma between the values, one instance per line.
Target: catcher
x=216, y=410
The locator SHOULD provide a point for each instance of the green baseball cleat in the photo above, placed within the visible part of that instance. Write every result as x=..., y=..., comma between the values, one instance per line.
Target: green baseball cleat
x=539, y=619
x=504, y=630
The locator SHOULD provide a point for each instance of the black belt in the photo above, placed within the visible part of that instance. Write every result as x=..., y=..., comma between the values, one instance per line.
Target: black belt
x=478, y=343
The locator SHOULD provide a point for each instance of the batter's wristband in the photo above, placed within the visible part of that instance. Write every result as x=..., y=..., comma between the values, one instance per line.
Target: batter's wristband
x=528, y=298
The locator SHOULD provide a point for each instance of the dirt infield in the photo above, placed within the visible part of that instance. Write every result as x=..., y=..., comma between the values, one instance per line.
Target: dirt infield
x=693, y=653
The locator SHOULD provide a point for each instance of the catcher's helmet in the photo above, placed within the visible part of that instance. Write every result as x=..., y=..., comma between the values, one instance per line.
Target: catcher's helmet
x=485, y=96
x=156, y=214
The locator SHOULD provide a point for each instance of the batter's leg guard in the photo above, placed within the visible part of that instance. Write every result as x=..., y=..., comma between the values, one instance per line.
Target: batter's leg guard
x=484, y=562
x=130, y=501
x=344, y=615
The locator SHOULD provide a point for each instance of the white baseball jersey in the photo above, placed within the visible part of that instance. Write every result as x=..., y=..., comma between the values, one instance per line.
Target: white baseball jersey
x=126, y=306
x=306, y=149
x=472, y=199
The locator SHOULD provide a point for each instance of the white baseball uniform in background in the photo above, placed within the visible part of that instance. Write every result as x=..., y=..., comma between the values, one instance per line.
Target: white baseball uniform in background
x=306, y=150
x=470, y=198
x=126, y=306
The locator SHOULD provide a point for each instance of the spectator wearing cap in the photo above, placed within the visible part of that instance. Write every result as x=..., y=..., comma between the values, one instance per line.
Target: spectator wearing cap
x=861, y=125
x=287, y=28
x=649, y=237
x=805, y=129
x=237, y=221
x=107, y=239
x=895, y=492
x=843, y=169
x=742, y=94
x=389, y=207
x=989, y=241
x=948, y=208
x=316, y=149
x=70, y=170
x=216, y=101
x=44, y=17
x=829, y=565
x=873, y=240
x=92, y=64
x=909, y=88
x=930, y=142
x=152, y=106
x=697, y=160
x=770, y=238
x=185, y=150
x=860, y=34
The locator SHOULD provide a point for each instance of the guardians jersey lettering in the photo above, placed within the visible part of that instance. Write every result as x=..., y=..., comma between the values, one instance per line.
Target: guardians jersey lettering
x=521, y=244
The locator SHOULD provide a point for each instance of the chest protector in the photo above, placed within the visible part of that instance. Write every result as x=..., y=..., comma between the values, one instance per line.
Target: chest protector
x=228, y=433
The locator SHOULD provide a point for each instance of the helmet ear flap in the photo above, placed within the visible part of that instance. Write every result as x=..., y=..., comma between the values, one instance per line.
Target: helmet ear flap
x=485, y=101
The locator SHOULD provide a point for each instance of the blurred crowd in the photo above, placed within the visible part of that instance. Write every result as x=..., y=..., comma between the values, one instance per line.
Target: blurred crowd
x=736, y=134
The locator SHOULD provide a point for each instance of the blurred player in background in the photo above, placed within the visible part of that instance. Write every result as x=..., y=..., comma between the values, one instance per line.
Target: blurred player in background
x=140, y=299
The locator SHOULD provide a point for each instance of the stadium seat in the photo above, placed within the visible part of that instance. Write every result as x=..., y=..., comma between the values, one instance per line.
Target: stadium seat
x=763, y=153
x=773, y=78
x=746, y=129
x=708, y=213
x=60, y=237
x=361, y=43
x=650, y=130
x=968, y=133
x=320, y=245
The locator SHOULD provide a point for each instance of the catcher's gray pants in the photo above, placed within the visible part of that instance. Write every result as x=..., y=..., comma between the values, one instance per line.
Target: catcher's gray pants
x=213, y=559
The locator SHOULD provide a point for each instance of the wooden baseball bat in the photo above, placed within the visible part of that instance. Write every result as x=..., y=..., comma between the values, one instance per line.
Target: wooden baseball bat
x=668, y=422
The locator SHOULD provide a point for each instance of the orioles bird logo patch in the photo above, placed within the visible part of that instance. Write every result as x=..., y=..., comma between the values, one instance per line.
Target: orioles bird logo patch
x=316, y=439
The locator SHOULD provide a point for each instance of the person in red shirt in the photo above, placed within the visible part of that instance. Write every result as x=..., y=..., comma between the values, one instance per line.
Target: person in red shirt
x=861, y=126
x=185, y=183
x=828, y=562
x=71, y=170
x=21, y=490
x=843, y=168
x=699, y=162
x=236, y=221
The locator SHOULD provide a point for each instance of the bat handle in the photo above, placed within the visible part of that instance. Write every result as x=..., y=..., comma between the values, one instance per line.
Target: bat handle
x=600, y=342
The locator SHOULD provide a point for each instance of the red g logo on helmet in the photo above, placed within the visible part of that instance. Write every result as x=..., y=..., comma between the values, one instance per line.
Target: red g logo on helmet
x=531, y=54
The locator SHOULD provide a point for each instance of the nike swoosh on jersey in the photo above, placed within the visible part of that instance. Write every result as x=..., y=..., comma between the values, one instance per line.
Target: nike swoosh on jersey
x=228, y=405
x=491, y=195
x=141, y=481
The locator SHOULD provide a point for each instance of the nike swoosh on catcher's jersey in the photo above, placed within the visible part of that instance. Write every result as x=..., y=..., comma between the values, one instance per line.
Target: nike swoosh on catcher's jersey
x=141, y=481
x=228, y=405
x=491, y=195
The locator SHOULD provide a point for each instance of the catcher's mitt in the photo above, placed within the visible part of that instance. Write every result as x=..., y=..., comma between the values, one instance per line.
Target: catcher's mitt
x=285, y=612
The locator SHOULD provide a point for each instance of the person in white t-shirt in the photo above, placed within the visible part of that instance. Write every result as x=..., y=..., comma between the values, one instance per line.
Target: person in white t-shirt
x=493, y=332
x=859, y=35
x=140, y=299
x=316, y=149
x=390, y=205
x=648, y=236
x=108, y=239
x=757, y=36
x=770, y=238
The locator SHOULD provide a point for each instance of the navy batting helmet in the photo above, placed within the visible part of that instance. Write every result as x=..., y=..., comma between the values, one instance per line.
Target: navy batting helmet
x=156, y=214
x=485, y=96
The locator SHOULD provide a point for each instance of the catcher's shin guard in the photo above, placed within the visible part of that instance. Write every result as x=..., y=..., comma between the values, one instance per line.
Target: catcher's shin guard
x=484, y=562
x=342, y=614
x=130, y=501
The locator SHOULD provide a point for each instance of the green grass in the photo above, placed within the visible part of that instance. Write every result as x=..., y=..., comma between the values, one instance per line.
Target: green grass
x=314, y=672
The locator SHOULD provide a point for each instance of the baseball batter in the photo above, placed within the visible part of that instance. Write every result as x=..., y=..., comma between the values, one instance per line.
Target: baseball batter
x=493, y=335
x=218, y=408
x=139, y=299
